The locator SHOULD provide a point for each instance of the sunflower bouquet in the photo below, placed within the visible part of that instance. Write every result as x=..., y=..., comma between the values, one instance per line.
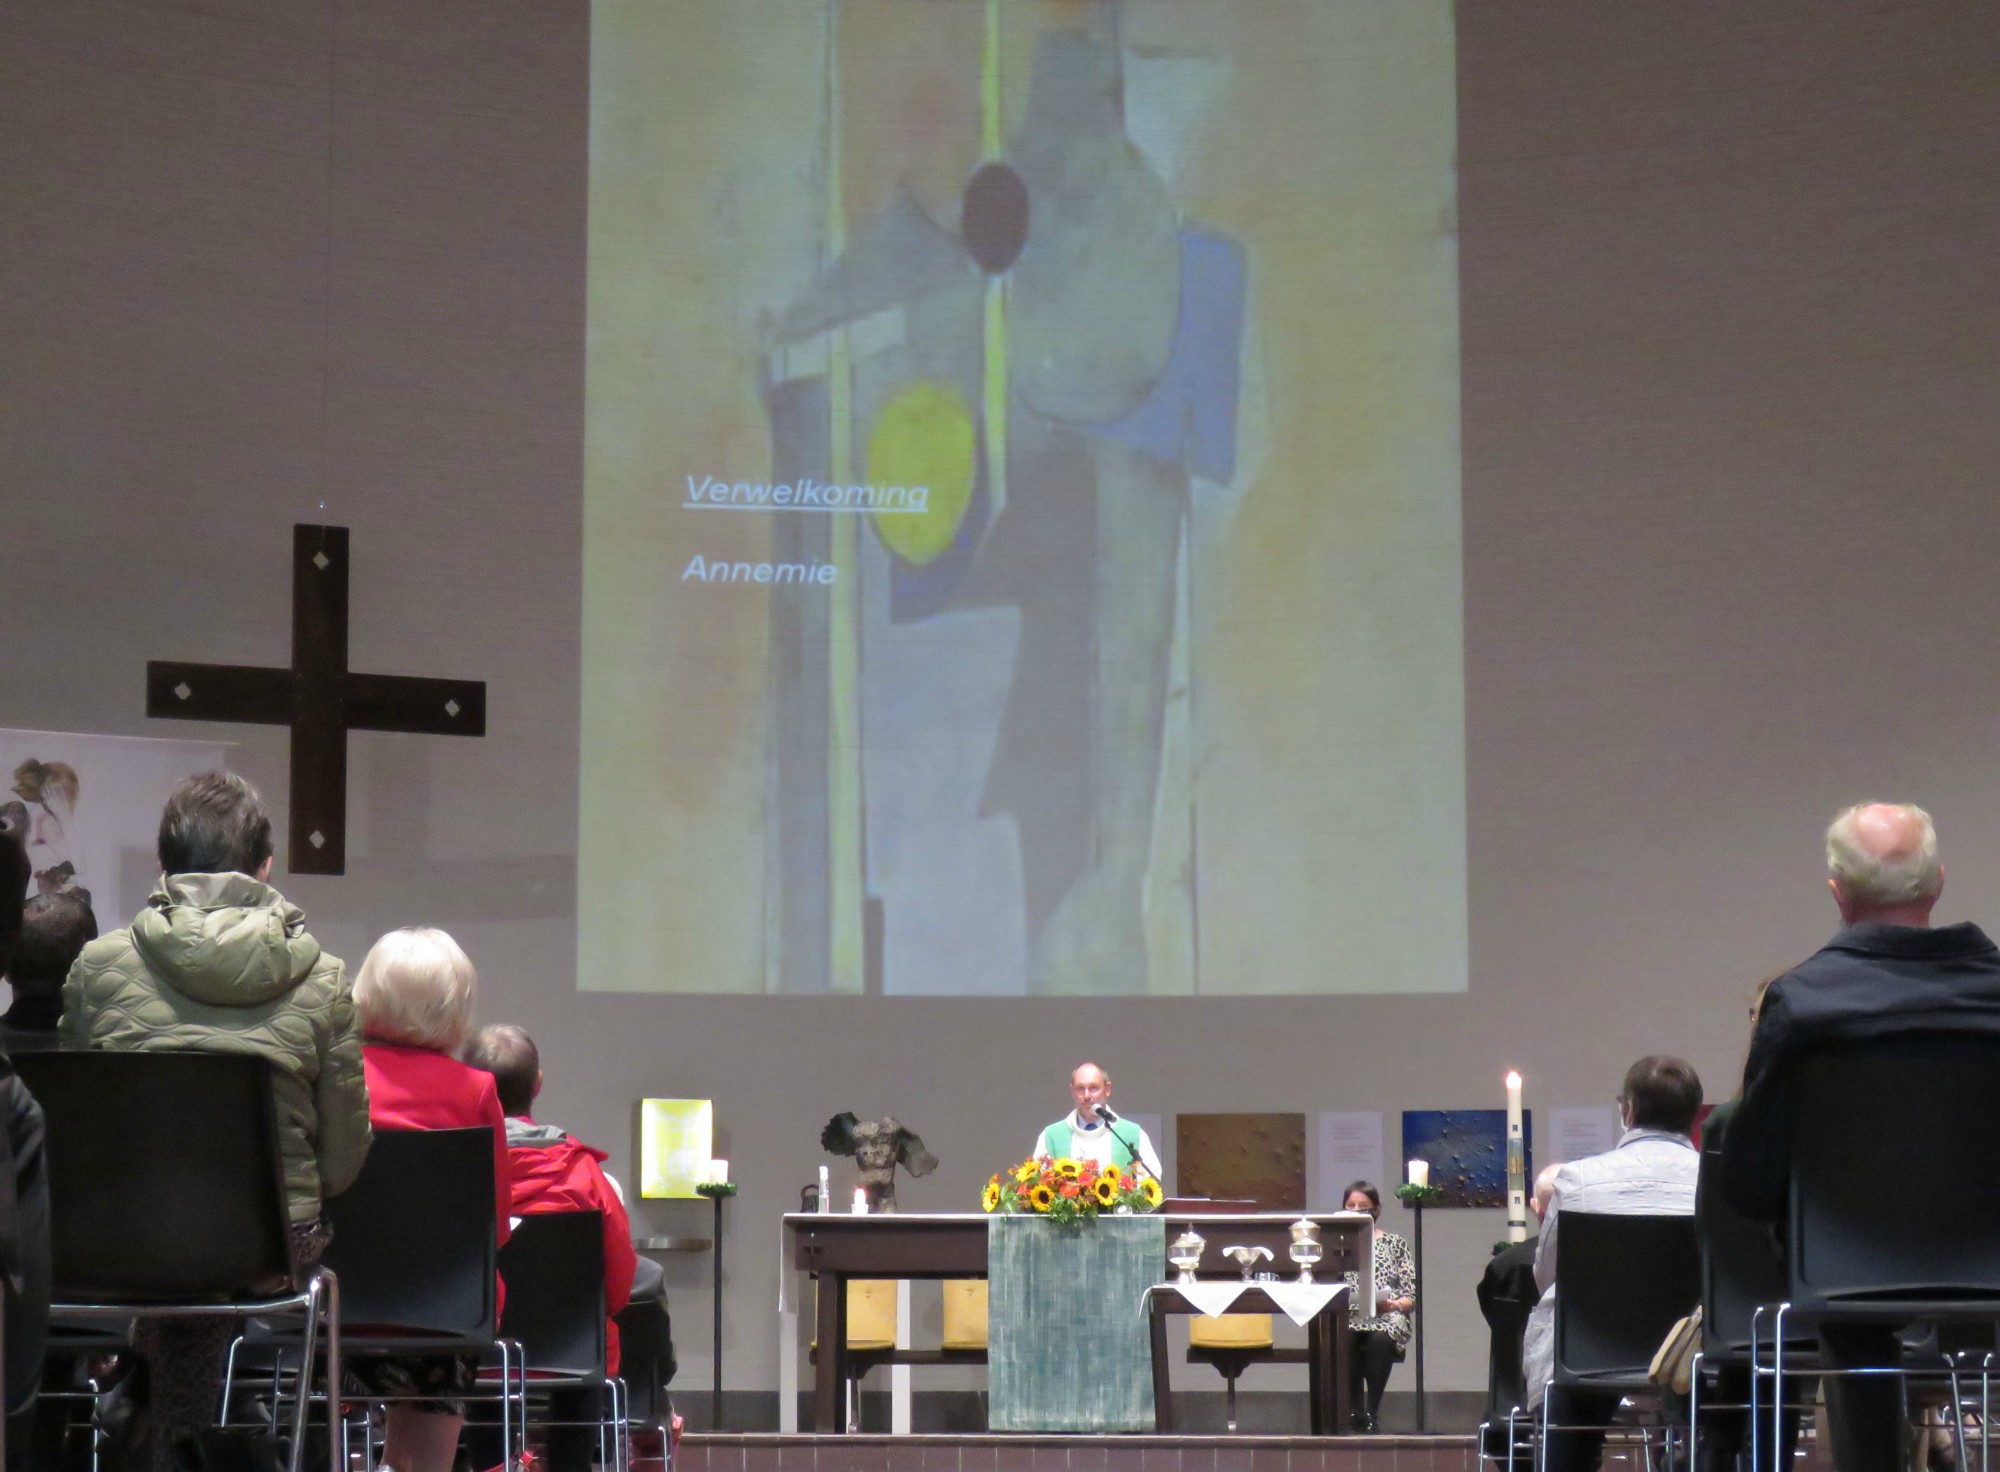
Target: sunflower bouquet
x=1068, y=1190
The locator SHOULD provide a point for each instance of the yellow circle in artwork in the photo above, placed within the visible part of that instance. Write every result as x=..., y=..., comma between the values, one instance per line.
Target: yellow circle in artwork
x=920, y=466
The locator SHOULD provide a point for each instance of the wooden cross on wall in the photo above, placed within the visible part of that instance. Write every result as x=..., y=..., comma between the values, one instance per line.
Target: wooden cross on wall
x=319, y=698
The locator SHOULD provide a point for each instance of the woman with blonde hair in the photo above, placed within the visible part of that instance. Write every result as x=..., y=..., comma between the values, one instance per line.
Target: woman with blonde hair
x=414, y=994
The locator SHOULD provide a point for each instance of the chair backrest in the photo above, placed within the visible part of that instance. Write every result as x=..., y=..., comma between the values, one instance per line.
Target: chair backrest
x=1920, y=1109
x=871, y=1313
x=965, y=1313
x=166, y=1183
x=1741, y=1267
x=1621, y=1283
x=414, y=1239
x=1230, y=1331
x=554, y=1268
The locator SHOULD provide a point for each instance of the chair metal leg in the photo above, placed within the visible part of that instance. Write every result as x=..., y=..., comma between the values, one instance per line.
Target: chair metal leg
x=336, y=1432
x=302, y=1401
x=1229, y=1414
x=1778, y=1378
x=1694, y=1411
x=1985, y=1412
x=1957, y=1414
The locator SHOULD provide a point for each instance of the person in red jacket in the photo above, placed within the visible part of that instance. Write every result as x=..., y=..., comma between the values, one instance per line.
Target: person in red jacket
x=414, y=994
x=554, y=1171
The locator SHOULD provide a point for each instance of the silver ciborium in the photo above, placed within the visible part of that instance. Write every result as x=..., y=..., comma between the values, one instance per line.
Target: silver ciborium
x=1186, y=1254
x=1248, y=1258
x=1305, y=1249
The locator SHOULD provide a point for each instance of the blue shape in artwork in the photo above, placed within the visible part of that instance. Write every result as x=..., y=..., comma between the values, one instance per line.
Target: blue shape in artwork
x=918, y=591
x=1467, y=1151
x=1189, y=418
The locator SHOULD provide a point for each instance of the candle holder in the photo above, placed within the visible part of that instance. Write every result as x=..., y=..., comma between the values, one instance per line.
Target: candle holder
x=1415, y=1198
x=717, y=1192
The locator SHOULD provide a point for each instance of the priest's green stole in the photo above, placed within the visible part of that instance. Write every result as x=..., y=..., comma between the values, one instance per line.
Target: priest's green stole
x=1068, y=1345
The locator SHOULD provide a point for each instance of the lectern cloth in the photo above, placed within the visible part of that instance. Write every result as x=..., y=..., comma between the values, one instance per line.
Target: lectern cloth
x=1068, y=1346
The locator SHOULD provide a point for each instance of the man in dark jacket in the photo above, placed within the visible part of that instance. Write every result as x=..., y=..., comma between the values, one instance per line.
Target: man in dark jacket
x=1887, y=973
x=1508, y=1293
x=24, y=1193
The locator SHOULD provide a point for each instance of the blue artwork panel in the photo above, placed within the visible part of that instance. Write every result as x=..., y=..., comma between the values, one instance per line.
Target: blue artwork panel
x=1467, y=1151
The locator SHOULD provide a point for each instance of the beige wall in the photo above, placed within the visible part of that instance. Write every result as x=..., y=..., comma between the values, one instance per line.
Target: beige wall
x=1730, y=357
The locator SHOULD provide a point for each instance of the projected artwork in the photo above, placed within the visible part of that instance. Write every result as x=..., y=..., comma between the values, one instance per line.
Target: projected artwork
x=1022, y=534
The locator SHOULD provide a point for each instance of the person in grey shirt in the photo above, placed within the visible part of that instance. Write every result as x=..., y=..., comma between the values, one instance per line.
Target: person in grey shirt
x=1652, y=1171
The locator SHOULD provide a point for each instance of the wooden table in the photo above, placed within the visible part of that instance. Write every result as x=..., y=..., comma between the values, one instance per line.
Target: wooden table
x=834, y=1248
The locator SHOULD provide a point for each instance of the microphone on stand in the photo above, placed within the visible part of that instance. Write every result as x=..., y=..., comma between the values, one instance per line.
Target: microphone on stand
x=1111, y=1122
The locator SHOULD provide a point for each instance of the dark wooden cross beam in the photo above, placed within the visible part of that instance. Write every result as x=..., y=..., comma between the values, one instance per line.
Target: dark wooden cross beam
x=319, y=698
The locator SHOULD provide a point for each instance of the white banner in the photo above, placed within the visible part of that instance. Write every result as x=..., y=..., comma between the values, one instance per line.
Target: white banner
x=87, y=809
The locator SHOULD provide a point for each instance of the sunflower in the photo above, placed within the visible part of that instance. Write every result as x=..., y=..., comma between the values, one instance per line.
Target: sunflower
x=1068, y=1169
x=1027, y=1170
x=1106, y=1191
x=1150, y=1190
x=989, y=1199
x=1042, y=1197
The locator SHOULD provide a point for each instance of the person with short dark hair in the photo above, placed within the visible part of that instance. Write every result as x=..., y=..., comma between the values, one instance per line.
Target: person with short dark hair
x=220, y=961
x=1652, y=1171
x=554, y=1171
x=1661, y=1093
x=54, y=930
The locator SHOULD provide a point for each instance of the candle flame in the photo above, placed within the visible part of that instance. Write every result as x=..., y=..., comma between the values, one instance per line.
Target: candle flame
x=1513, y=1080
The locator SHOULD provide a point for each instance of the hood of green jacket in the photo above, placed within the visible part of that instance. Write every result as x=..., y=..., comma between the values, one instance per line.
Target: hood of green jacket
x=224, y=940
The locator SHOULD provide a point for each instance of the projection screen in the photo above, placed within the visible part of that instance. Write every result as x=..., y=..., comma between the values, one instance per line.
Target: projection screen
x=1022, y=533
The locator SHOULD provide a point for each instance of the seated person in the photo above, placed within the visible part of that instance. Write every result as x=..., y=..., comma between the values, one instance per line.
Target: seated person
x=1652, y=1171
x=24, y=1207
x=1507, y=1295
x=220, y=961
x=1887, y=971
x=554, y=1171
x=1381, y=1334
x=54, y=930
x=415, y=994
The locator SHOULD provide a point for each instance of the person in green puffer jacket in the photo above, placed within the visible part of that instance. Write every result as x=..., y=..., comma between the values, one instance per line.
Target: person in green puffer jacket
x=219, y=961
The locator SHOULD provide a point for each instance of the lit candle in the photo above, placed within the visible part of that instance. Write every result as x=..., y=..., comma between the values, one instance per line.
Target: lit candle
x=860, y=1207
x=1419, y=1172
x=1517, y=1164
x=718, y=1172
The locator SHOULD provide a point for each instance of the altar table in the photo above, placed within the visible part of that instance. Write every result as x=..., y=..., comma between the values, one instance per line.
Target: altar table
x=835, y=1247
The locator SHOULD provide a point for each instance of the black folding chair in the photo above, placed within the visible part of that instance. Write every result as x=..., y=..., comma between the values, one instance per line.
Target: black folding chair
x=554, y=1268
x=167, y=1197
x=1922, y=1107
x=415, y=1245
x=1742, y=1276
x=1622, y=1282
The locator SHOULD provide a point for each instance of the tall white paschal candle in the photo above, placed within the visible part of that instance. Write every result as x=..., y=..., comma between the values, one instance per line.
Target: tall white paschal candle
x=1517, y=1164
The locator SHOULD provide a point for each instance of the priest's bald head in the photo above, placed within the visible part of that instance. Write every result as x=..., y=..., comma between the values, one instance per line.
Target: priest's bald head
x=1882, y=864
x=1089, y=1086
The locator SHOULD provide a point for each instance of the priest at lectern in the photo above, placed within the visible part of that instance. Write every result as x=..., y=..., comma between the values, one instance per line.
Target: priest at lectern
x=1093, y=1131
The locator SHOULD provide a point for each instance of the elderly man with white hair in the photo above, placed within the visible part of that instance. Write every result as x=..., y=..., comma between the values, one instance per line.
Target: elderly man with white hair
x=1887, y=971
